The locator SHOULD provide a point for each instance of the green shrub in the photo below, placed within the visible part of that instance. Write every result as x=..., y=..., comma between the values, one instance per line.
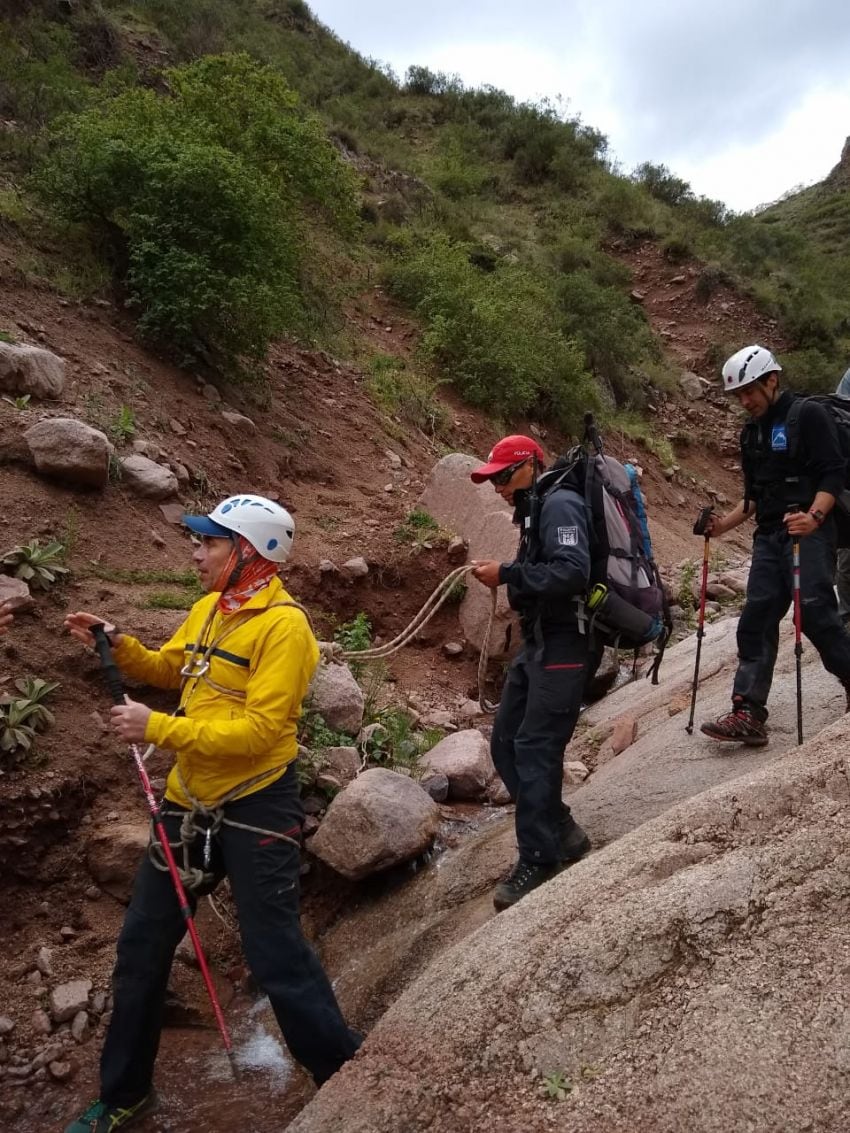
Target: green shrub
x=201, y=199
x=613, y=332
x=355, y=635
x=123, y=428
x=494, y=334
x=397, y=743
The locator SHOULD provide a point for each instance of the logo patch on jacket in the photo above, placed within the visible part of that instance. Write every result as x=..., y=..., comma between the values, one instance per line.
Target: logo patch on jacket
x=779, y=438
x=568, y=536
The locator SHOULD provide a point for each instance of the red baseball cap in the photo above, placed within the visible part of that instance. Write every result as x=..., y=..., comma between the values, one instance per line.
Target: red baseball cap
x=508, y=451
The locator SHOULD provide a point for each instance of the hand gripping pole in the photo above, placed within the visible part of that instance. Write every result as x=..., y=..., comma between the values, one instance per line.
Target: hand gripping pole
x=113, y=680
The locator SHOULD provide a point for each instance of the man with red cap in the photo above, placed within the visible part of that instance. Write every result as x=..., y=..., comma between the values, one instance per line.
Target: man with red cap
x=543, y=690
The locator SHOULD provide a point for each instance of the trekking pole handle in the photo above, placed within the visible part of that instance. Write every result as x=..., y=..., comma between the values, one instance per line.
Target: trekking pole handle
x=111, y=673
x=702, y=519
x=591, y=433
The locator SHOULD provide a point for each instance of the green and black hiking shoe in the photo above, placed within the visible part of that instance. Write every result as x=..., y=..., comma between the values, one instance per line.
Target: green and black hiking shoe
x=103, y=1118
x=521, y=880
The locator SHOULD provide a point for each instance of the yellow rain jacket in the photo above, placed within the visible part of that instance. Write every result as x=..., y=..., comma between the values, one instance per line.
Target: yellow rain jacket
x=225, y=738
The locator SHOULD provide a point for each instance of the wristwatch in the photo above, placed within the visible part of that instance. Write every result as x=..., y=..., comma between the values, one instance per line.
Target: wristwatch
x=817, y=515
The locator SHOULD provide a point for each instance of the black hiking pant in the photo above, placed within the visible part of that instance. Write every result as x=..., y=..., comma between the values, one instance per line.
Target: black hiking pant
x=263, y=874
x=770, y=593
x=540, y=705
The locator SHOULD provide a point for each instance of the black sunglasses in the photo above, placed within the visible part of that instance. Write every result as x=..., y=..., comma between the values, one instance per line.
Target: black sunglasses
x=503, y=477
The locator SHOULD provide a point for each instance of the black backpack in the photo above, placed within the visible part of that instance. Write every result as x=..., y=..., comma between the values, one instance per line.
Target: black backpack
x=626, y=602
x=839, y=409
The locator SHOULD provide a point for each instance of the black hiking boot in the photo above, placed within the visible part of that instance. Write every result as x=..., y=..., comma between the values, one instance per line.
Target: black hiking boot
x=741, y=725
x=574, y=843
x=103, y=1118
x=521, y=880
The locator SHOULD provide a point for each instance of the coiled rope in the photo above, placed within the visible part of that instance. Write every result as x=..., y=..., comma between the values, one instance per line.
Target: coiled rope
x=439, y=595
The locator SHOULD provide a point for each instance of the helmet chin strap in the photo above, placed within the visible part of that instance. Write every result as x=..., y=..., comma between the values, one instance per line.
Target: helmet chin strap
x=232, y=569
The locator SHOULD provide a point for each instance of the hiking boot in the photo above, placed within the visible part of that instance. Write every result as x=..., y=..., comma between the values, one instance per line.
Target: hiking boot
x=103, y=1118
x=521, y=880
x=574, y=844
x=741, y=725
x=846, y=686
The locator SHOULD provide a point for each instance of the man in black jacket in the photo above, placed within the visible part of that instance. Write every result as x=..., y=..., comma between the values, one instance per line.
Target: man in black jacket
x=542, y=695
x=793, y=474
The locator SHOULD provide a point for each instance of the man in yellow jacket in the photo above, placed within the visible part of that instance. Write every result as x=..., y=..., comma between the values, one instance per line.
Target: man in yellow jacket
x=243, y=660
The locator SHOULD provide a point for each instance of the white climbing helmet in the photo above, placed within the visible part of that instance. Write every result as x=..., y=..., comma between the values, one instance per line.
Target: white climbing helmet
x=267, y=526
x=747, y=366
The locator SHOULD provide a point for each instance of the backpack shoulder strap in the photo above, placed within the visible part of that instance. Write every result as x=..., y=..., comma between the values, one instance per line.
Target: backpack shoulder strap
x=792, y=425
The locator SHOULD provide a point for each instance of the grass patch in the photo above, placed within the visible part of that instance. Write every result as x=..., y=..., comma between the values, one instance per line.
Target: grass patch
x=186, y=578
x=418, y=527
x=170, y=600
x=640, y=430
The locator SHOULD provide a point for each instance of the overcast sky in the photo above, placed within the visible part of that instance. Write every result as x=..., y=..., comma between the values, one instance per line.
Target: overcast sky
x=743, y=98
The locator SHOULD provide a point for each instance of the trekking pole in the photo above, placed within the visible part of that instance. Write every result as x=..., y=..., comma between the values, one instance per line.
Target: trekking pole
x=113, y=681
x=798, y=628
x=699, y=529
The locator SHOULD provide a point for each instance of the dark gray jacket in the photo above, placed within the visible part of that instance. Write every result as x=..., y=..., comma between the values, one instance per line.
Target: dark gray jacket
x=551, y=569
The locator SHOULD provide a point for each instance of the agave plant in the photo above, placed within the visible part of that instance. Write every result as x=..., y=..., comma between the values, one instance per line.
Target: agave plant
x=15, y=733
x=36, y=564
x=22, y=716
x=34, y=691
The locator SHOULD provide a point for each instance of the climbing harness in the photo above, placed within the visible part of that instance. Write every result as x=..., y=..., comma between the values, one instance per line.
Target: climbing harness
x=205, y=820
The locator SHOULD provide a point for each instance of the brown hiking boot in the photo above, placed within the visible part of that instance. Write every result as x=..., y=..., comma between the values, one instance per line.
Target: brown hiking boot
x=741, y=725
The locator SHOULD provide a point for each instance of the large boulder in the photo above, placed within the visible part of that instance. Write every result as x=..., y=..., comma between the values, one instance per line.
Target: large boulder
x=70, y=450
x=485, y=521
x=113, y=855
x=338, y=699
x=31, y=370
x=147, y=478
x=464, y=758
x=691, y=976
x=378, y=821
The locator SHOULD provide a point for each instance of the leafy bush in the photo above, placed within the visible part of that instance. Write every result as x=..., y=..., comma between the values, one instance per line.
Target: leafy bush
x=355, y=635
x=662, y=184
x=123, y=428
x=396, y=742
x=613, y=332
x=201, y=199
x=495, y=333
x=36, y=564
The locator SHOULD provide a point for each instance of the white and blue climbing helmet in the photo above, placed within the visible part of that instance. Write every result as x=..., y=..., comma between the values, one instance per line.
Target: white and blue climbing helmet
x=267, y=526
x=747, y=366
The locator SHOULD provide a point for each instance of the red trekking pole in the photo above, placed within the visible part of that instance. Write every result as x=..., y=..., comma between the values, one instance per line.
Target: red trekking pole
x=699, y=529
x=798, y=629
x=113, y=680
